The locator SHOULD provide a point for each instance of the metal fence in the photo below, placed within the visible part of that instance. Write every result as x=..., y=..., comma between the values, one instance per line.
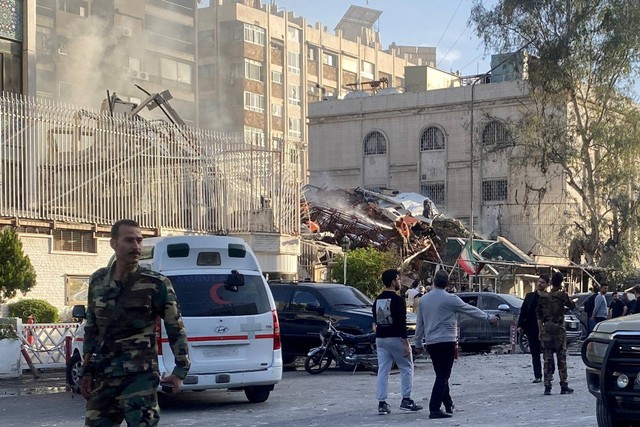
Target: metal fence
x=70, y=164
x=44, y=343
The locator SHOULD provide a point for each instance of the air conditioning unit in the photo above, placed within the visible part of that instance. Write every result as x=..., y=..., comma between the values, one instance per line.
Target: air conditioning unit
x=127, y=32
x=125, y=71
x=135, y=74
x=144, y=75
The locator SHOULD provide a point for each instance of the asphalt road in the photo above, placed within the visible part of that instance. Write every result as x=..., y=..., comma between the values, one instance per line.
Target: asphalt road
x=488, y=390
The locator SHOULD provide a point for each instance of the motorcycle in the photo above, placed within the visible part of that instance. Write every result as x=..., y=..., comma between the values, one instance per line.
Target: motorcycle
x=347, y=350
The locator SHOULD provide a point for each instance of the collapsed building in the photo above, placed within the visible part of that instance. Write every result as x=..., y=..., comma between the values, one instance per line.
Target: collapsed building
x=409, y=225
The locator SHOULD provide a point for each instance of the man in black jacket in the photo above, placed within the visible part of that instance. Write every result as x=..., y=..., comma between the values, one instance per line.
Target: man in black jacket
x=390, y=314
x=528, y=324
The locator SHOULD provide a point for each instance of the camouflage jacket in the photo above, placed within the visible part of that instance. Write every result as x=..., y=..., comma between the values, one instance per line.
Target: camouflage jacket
x=551, y=307
x=121, y=322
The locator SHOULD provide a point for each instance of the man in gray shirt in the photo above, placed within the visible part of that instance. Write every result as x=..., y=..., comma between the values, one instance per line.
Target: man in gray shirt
x=437, y=325
x=600, y=309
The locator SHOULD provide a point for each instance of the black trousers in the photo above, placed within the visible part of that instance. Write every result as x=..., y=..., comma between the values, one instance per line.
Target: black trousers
x=442, y=355
x=534, y=347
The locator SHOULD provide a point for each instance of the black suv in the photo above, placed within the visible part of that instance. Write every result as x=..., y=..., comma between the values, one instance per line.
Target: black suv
x=612, y=358
x=303, y=308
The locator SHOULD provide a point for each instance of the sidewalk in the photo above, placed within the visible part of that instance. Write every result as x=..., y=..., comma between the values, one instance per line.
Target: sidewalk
x=49, y=381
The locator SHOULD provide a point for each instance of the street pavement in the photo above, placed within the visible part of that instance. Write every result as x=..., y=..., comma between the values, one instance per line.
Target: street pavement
x=492, y=390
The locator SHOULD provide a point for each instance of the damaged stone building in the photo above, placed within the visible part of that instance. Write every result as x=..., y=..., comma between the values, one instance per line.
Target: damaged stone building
x=419, y=141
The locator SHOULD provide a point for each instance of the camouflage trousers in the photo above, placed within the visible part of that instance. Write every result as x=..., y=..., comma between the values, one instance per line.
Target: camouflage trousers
x=133, y=398
x=554, y=341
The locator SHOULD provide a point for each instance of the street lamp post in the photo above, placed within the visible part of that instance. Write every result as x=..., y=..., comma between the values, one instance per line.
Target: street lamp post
x=346, y=243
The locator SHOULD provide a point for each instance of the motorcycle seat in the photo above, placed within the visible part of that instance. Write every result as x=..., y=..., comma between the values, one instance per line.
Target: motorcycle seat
x=369, y=338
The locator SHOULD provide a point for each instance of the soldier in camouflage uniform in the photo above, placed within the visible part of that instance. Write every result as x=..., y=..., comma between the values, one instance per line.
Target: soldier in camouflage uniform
x=120, y=355
x=553, y=337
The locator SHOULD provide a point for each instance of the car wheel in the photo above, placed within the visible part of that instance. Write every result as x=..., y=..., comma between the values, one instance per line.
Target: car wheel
x=73, y=372
x=257, y=394
x=317, y=363
x=605, y=419
x=523, y=343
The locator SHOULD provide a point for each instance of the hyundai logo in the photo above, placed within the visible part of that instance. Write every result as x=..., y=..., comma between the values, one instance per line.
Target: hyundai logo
x=221, y=329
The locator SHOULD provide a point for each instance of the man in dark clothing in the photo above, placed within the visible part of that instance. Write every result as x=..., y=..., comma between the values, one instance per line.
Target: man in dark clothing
x=553, y=335
x=390, y=314
x=632, y=307
x=528, y=324
x=589, y=305
x=617, y=308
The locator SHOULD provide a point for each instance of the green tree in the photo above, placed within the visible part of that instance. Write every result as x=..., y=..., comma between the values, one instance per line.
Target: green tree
x=580, y=123
x=364, y=268
x=16, y=271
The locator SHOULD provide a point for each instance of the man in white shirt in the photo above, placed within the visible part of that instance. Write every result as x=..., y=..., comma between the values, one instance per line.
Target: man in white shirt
x=411, y=294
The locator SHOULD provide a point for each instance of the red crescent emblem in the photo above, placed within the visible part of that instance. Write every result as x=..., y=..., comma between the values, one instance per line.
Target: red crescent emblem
x=213, y=293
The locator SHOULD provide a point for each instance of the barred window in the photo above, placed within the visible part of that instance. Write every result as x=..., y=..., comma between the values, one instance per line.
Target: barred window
x=375, y=143
x=434, y=191
x=432, y=139
x=494, y=190
x=496, y=133
x=74, y=241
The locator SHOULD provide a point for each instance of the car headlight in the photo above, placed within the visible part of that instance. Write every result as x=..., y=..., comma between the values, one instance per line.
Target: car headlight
x=595, y=351
x=622, y=381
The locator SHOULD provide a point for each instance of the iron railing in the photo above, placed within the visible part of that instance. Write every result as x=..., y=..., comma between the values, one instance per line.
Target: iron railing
x=70, y=164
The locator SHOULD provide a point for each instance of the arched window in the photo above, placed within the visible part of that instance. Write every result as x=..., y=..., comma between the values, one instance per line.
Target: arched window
x=497, y=134
x=375, y=143
x=432, y=139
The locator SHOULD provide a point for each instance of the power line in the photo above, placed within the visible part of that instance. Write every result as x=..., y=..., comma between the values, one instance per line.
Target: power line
x=450, y=20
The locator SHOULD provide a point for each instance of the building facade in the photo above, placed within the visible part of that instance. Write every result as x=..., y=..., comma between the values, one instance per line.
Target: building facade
x=420, y=142
x=259, y=67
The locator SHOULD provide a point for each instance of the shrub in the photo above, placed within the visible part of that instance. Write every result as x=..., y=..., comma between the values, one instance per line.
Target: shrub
x=43, y=311
x=364, y=268
x=16, y=272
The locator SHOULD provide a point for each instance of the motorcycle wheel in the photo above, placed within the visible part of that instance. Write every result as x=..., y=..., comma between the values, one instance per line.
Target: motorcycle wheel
x=317, y=363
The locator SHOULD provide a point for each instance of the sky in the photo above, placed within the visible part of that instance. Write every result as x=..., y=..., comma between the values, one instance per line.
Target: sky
x=439, y=23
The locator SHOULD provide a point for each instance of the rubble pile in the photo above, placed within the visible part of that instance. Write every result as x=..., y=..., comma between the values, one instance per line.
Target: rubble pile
x=371, y=219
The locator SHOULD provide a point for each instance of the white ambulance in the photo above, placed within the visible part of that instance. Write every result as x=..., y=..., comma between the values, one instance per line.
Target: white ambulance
x=228, y=311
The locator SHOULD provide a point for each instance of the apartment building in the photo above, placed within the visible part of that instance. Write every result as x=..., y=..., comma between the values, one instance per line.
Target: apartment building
x=259, y=67
x=420, y=141
x=86, y=47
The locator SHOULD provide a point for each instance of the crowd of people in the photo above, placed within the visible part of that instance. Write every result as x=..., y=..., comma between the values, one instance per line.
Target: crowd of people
x=597, y=309
x=541, y=318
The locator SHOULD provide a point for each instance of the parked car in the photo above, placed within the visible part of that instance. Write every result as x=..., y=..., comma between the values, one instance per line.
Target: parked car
x=482, y=334
x=611, y=354
x=474, y=334
x=303, y=308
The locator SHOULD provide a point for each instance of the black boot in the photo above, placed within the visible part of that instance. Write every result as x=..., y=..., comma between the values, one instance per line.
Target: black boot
x=547, y=390
x=566, y=390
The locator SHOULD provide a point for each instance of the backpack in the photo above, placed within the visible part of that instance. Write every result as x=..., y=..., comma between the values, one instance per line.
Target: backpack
x=590, y=304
